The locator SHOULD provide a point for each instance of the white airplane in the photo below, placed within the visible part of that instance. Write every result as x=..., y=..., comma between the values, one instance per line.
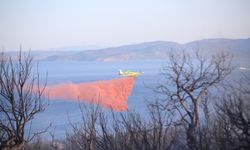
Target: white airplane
x=130, y=73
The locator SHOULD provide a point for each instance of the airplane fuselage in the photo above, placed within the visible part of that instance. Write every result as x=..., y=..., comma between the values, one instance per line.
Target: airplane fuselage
x=130, y=73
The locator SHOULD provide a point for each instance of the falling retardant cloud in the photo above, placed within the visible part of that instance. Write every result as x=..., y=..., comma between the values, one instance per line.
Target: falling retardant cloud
x=108, y=93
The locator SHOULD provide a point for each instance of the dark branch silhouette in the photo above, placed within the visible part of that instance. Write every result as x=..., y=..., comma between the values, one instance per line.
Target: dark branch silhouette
x=21, y=98
x=188, y=80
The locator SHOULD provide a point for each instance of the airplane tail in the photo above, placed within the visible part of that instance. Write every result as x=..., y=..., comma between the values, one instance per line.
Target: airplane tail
x=120, y=72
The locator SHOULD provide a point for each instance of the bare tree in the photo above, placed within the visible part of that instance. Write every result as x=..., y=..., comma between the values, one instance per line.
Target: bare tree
x=55, y=144
x=128, y=131
x=154, y=133
x=21, y=99
x=84, y=134
x=232, y=123
x=188, y=79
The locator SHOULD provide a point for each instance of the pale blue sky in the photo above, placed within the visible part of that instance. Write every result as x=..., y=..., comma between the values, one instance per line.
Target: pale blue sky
x=44, y=24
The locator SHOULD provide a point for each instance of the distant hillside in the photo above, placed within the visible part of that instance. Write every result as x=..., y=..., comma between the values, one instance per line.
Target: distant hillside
x=238, y=47
x=149, y=50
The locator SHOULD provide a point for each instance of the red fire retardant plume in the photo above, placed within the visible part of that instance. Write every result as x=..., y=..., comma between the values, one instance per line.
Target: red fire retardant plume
x=110, y=93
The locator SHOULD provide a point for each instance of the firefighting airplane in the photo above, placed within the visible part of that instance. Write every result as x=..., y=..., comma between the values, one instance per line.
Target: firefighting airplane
x=130, y=73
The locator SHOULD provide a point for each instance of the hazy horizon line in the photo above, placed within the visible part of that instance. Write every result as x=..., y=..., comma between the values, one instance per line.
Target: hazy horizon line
x=99, y=47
